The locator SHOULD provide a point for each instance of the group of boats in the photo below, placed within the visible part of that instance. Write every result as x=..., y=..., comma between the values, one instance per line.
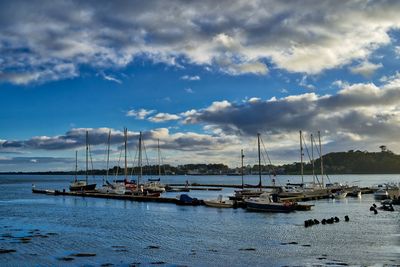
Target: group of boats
x=151, y=187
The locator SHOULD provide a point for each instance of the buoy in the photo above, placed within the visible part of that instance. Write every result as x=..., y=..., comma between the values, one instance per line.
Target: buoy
x=316, y=221
x=337, y=219
x=330, y=220
x=323, y=221
x=346, y=218
x=310, y=222
x=306, y=224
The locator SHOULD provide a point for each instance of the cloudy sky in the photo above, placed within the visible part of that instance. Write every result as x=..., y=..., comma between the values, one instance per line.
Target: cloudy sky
x=203, y=77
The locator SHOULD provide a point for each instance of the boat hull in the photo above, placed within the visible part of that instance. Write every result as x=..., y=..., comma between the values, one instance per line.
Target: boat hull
x=269, y=207
x=217, y=204
x=88, y=187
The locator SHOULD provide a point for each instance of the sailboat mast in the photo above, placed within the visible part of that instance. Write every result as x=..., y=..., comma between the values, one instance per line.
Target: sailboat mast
x=76, y=165
x=312, y=158
x=87, y=155
x=242, y=156
x=140, y=158
x=108, y=153
x=259, y=160
x=159, y=157
x=301, y=158
x=322, y=164
x=125, y=145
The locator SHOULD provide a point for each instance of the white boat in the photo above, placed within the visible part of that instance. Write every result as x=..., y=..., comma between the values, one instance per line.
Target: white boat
x=381, y=194
x=341, y=194
x=82, y=185
x=154, y=187
x=219, y=203
x=112, y=188
x=265, y=203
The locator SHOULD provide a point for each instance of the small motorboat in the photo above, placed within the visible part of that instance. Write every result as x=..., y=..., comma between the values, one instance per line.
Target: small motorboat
x=219, y=203
x=381, y=194
x=340, y=194
x=265, y=203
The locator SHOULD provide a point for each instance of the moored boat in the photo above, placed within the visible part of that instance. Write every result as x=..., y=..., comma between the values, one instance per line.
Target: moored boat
x=265, y=203
x=82, y=185
x=219, y=203
x=381, y=194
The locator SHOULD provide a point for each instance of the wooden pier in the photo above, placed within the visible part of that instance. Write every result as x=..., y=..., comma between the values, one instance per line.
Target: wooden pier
x=95, y=194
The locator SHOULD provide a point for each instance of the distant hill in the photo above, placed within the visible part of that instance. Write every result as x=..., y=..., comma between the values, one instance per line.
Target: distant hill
x=352, y=162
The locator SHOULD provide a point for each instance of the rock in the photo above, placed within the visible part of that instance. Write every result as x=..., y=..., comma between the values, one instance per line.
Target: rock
x=66, y=259
x=5, y=251
x=52, y=233
x=83, y=255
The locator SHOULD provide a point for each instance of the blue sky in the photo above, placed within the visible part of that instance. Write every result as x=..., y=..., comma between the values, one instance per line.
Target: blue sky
x=202, y=78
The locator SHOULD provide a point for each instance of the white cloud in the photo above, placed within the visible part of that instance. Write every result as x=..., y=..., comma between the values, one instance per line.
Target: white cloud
x=140, y=114
x=111, y=78
x=191, y=78
x=235, y=37
x=189, y=90
x=163, y=117
x=305, y=84
x=367, y=69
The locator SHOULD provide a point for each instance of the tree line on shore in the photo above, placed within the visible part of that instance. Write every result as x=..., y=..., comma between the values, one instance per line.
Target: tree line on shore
x=350, y=162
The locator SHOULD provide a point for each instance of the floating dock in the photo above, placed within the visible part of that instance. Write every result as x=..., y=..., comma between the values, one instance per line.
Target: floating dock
x=108, y=196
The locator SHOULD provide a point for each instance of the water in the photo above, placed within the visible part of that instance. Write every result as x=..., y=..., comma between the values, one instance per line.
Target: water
x=120, y=232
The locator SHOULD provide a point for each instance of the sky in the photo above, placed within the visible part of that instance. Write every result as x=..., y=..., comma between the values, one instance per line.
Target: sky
x=202, y=77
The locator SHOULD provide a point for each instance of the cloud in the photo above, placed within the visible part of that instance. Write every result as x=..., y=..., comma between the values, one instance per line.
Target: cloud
x=189, y=90
x=366, y=69
x=163, y=117
x=34, y=160
x=191, y=78
x=111, y=78
x=359, y=115
x=72, y=139
x=140, y=114
x=39, y=43
x=305, y=84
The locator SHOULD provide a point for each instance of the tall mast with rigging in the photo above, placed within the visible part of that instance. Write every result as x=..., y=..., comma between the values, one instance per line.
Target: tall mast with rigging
x=301, y=158
x=259, y=160
x=140, y=159
x=242, y=156
x=322, y=164
x=159, y=157
x=126, y=158
x=87, y=156
x=312, y=158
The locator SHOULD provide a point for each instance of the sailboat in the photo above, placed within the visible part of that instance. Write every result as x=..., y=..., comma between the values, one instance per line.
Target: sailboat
x=246, y=193
x=82, y=185
x=154, y=185
x=116, y=187
x=140, y=190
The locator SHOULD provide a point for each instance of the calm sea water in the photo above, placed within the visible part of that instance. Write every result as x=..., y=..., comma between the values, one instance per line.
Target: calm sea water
x=120, y=232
